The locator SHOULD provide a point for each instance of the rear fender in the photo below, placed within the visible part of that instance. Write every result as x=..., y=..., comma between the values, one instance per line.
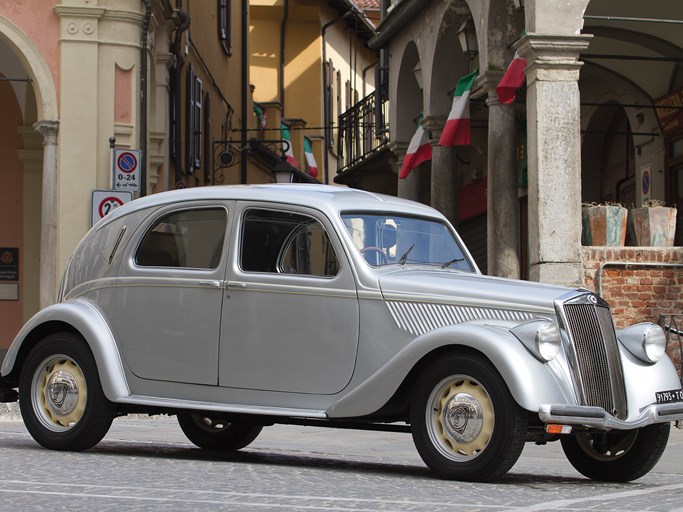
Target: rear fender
x=530, y=381
x=84, y=318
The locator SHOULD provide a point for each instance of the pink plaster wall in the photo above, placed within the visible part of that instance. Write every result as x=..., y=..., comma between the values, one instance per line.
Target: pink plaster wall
x=11, y=203
x=37, y=19
x=123, y=91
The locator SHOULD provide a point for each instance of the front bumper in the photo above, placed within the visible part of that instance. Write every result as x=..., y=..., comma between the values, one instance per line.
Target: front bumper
x=599, y=418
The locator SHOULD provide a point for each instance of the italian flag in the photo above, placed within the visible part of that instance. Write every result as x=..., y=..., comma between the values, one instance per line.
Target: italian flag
x=419, y=150
x=289, y=153
x=260, y=116
x=457, y=129
x=512, y=80
x=310, y=158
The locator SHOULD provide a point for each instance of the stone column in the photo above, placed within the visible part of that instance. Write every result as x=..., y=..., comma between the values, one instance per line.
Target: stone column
x=554, y=144
x=444, y=182
x=503, y=228
x=48, y=223
x=408, y=188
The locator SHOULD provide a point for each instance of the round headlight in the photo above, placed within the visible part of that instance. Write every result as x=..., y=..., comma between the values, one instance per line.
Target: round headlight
x=548, y=341
x=654, y=343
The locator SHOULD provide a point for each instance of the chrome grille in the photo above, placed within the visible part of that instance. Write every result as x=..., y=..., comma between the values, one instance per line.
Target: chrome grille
x=594, y=356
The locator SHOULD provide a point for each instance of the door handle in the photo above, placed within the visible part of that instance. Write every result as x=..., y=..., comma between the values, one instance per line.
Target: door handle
x=234, y=284
x=210, y=284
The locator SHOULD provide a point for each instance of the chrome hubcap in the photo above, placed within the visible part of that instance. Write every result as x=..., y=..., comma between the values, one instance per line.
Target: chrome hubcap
x=61, y=393
x=462, y=418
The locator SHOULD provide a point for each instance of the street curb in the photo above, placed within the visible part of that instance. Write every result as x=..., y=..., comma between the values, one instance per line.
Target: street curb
x=10, y=412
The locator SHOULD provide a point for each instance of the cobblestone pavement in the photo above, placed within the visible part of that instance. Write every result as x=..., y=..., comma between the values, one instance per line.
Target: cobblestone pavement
x=147, y=465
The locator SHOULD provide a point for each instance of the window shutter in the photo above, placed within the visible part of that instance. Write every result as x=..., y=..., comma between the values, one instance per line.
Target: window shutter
x=189, y=120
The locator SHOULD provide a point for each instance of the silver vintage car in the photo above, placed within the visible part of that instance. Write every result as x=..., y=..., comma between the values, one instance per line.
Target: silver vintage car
x=236, y=308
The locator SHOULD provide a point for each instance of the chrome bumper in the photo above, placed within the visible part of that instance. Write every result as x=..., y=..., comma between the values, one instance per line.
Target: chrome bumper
x=599, y=418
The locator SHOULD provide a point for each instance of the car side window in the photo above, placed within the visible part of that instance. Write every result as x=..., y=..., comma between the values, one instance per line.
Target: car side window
x=186, y=239
x=286, y=243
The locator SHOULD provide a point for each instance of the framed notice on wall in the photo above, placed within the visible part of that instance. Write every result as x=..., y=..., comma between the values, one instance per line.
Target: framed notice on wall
x=9, y=273
x=9, y=264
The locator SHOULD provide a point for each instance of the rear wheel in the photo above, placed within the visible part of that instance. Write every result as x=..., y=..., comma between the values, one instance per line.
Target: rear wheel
x=465, y=423
x=617, y=456
x=215, y=433
x=60, y=396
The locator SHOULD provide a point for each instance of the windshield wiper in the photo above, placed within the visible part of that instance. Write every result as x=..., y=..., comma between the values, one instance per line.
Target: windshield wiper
x=450, y=262
x=402, y=260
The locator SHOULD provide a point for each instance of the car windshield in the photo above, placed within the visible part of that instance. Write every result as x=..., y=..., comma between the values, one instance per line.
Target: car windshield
x=389, y=239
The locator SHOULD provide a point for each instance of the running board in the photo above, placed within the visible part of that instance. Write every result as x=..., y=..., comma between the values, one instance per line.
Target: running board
x=170, y=403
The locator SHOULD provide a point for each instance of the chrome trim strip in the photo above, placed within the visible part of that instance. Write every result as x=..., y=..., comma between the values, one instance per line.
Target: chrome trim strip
x=599, y=418
x=218, y=407
x=418, y=318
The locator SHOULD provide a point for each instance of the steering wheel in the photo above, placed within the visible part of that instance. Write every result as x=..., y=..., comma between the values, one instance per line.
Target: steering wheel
x=384, y=259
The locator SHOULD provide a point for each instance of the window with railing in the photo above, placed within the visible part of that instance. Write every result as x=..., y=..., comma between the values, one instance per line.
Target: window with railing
x=363, y=129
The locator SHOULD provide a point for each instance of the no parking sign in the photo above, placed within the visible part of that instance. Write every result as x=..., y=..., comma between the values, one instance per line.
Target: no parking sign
x=127, y=169
x=105, y=201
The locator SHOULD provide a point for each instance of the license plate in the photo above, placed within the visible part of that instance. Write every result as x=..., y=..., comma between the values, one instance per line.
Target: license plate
x=669, y=397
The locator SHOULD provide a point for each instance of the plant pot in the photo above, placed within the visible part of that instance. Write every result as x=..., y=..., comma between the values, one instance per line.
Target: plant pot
x=653, y=226
x=603, y=225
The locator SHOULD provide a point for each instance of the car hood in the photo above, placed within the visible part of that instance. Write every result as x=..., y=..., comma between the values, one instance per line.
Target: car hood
x=453, y=287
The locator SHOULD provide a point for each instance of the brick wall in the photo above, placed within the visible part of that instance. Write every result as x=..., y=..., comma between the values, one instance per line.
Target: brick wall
x=640, y=283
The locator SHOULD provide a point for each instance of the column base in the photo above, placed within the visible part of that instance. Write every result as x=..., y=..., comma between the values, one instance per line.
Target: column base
x=562, y=274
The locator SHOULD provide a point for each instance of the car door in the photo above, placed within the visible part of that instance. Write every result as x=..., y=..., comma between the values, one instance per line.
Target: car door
x=290, y=322
x=170, y=294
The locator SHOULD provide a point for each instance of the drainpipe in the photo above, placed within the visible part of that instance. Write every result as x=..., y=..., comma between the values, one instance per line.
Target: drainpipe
x=177, y=77
x=245, y=85
x=326, y=111
x=143, y=97
x=283, y=33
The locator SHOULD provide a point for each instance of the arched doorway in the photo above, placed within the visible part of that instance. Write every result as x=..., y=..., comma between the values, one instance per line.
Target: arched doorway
x=608, y=172
x=28, y=99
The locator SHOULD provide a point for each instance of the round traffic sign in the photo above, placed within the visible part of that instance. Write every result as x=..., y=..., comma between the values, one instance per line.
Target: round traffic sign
x=127, y=162
x=646, y=183
x=108, y=204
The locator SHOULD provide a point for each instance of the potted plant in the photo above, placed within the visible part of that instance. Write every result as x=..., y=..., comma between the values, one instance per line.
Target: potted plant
x=603, y=224
x=654, y=224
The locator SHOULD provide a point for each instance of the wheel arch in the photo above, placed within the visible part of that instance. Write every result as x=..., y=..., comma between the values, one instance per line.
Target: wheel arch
x=530, y=382
x=82, y=319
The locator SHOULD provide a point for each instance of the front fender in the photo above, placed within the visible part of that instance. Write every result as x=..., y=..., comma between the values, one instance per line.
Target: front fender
x=530, y=381
x=89, y=322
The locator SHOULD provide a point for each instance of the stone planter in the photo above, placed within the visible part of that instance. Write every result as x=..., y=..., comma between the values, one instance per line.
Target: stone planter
x=603, y=225
x=653, y=226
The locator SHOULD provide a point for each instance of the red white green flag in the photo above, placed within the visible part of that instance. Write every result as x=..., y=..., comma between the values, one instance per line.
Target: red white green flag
x=512, y=80
x=456, y=132
x=419, y=150
x=310, y=158
x=287, y=147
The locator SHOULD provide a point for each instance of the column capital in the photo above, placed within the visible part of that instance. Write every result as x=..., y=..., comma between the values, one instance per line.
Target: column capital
x=486, y=83
x=434, y=126
x=48, y=129
x=552, y=58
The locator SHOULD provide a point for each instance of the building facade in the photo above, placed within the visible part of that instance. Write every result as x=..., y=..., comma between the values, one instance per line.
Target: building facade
x=82, y=79
x=309, y=63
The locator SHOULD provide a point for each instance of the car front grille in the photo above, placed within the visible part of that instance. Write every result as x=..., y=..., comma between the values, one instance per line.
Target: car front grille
x=593, y=354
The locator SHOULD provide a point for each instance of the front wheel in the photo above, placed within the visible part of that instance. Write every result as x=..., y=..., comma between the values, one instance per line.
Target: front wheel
x=215, y=433
x=617, y=456
x=465, y=423
x=60, y=396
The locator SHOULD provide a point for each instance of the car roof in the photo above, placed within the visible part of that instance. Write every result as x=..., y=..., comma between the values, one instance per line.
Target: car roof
x=328, y=198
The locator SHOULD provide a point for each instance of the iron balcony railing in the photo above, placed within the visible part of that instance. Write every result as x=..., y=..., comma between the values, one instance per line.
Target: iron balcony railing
x=363, y=130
